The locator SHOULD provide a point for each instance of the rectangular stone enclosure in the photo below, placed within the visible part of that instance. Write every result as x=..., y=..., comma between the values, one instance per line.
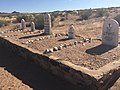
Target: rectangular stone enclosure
x=100, y=79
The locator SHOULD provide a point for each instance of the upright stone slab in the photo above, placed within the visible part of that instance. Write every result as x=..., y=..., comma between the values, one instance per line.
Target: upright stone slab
x=32, y=26
x=23, y=24
x=71, y=32
x=47, y=24
x=110, y=32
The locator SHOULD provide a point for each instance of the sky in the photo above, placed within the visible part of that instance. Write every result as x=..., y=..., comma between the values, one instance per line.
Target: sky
x=54, y=5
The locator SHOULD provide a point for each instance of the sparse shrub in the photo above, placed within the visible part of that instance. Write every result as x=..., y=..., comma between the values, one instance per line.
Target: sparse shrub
x=100, y=13
x=3, y=23
x=39, y=22
x=85, y=14
x=117, y=18
x=27, y=18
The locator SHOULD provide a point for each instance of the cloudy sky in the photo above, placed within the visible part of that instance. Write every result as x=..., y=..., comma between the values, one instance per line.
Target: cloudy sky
x=53, y=5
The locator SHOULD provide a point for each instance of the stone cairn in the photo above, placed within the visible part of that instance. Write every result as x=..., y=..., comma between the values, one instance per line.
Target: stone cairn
x=71, y=32
x=47, y=24
x=110, y=32
x=32, y=26
x=23, y=24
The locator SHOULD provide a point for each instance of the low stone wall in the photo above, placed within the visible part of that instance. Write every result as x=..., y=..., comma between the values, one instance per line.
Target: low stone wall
x=100, y=79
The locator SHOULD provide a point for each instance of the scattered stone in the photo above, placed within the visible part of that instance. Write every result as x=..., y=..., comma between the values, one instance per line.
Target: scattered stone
x=55, y=49
x=83, y=44
x=46, y=51
x=5, y=36
x=60, y=47
x=75, y=43
x=51, y=51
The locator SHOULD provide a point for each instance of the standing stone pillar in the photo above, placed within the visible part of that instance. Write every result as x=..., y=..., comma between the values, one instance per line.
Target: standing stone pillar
x=71, y=32
x=47, y=24
x=110, y=32
x=32, y=26
x=23, y=24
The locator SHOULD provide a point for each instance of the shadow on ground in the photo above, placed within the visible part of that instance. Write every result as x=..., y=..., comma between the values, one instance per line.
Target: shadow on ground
x=25, y=37
x=31, y=74
x=100, y=49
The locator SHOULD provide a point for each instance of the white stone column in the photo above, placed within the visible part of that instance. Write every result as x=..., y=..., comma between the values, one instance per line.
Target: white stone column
x=23, y=24
x=32, y=26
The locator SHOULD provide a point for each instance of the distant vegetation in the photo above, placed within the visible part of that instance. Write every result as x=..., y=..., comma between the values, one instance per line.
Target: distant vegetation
x=61, y=16
x=4, y=23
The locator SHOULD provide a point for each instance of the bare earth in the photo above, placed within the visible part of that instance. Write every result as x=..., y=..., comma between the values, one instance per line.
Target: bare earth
x=17, y=74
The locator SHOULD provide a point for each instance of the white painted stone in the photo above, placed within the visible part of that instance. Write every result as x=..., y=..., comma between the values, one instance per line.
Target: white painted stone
x=23, y=24
x=55, y=49
x=47, y=24
x=32, y=26
x=71, y=32
x=110, y=32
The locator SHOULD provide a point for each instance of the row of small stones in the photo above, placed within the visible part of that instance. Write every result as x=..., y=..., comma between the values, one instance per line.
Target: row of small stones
x=27, y=32
x=43, y=38
x=62, y=46
x=11, y=31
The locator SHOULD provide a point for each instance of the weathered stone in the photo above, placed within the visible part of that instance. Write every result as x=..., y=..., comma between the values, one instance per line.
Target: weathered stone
x=71, y=32
x=23, y=24
x=47, y=24
x=55, y=48
x=51, y=51
x=32, y=26
x=110, y=32
x=60, y=47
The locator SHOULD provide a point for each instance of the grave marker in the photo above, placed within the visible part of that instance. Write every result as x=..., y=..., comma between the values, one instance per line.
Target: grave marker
x=110, y=32
x=47, y=24
x=32, y=26
x=71, y=32
x=23, y=24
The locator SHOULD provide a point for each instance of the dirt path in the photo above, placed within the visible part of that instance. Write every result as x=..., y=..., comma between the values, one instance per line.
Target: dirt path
x=17, y=74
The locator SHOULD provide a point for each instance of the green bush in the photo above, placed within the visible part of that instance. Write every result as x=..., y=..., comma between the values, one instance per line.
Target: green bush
x=27, y=18
x=3, y=23
x=100, y=13
x=39, y=22
x=86, y=14
x=117, y=18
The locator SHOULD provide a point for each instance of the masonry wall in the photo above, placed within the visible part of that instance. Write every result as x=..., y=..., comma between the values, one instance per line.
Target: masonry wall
x=55, y=66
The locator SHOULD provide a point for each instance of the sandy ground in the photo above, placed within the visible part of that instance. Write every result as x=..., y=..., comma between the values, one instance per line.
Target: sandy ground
x=17, y=74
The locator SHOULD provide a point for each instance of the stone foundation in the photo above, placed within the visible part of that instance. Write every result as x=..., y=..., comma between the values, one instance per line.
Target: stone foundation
x=100, y=79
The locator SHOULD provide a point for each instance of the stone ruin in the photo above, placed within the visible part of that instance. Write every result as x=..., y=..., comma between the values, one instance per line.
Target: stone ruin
x=47, y=24
x=110, y=32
